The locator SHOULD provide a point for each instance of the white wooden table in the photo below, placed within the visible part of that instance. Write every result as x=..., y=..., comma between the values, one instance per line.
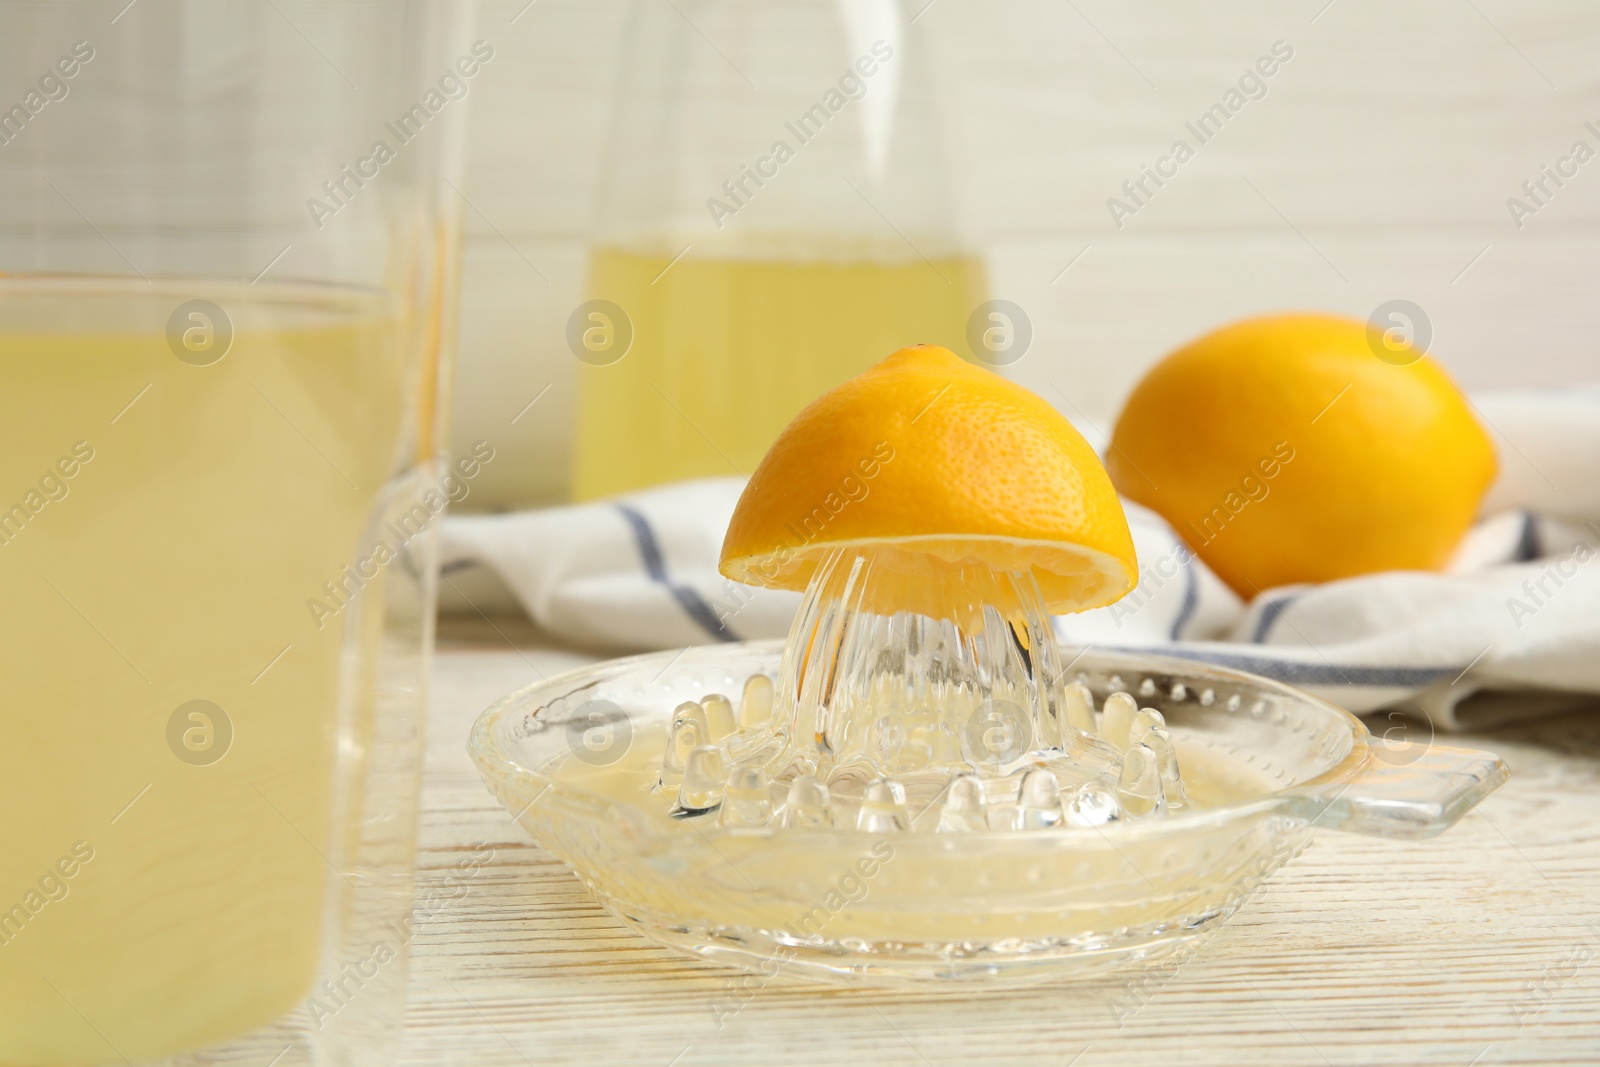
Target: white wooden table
x=1480, y=947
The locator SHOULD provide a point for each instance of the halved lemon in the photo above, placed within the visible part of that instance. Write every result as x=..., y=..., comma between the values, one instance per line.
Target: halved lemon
x=930, y=464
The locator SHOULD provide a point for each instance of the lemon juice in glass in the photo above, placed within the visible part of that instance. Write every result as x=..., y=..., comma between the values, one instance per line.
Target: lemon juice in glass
x=214, y=400
x=772, y=220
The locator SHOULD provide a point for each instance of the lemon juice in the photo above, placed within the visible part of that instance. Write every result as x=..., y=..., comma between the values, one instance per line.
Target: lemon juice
x=908, y=881
x=726, y=349
x=169, y=510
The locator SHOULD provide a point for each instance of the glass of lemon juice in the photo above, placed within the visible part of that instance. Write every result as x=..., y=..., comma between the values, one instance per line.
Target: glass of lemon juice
x=223, y=345
x=775, y=214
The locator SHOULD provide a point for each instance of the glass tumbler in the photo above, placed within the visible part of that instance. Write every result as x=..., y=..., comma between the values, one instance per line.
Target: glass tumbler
x=228, y=244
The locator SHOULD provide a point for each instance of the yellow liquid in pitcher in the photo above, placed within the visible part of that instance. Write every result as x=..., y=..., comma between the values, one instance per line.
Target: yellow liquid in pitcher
x=205, y=506
x=726, y=351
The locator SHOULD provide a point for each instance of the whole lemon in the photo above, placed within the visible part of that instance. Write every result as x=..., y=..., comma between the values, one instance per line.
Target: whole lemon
x=1283, y=450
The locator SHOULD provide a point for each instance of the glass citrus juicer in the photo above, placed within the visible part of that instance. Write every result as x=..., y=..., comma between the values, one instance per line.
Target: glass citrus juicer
x=919, y=784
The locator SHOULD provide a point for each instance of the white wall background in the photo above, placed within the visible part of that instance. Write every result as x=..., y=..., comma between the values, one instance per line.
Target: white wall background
x=1377, y=167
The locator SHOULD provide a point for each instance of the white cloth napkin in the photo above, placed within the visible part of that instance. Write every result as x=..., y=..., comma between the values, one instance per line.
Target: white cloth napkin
x=1517, y=610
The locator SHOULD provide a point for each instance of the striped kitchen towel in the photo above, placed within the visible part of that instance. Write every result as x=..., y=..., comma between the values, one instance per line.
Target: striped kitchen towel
x=1518, y=610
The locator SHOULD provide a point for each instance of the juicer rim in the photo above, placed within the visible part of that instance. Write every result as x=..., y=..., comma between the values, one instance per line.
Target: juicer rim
x=1294, y=800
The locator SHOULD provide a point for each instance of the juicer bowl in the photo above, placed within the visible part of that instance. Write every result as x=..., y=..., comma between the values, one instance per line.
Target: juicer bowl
x=999, y=906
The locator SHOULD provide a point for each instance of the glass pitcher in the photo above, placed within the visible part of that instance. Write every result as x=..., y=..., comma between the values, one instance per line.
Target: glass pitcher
x=227, y=275
x=777, y=214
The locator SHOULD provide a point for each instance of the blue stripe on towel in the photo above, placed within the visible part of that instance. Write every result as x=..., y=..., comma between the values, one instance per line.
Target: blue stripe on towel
x=692, y=603
x=1528, y=542
x=1191, y=597
x=1323, y=674
x=1270, y=614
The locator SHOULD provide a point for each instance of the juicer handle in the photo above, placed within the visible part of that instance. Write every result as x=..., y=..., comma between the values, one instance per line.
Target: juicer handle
x=1415, y=791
